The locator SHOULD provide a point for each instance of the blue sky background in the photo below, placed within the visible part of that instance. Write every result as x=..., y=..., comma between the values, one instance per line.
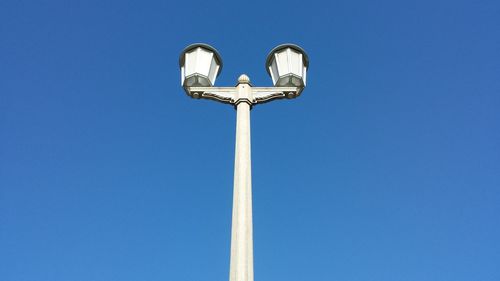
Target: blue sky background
x=386, y=168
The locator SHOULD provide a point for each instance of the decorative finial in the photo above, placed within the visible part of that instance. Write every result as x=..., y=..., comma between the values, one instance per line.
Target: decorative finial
x=243, y=79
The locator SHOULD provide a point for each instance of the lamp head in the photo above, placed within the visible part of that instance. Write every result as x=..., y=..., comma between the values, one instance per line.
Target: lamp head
x=287, y=65
x=200, y=64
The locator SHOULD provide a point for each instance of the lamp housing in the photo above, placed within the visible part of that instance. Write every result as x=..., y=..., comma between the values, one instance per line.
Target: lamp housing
x=287, y=65
x=200, y=65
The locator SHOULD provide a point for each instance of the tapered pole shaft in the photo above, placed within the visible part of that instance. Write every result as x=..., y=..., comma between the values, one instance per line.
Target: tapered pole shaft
x=241, y=267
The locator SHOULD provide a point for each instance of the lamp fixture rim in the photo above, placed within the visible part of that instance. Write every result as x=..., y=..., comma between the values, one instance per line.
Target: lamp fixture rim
x=284, y=46
x=204, y=46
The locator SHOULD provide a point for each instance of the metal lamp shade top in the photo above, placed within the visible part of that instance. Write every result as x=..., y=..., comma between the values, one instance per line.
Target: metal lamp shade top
x=200, y=64
x=287, y=65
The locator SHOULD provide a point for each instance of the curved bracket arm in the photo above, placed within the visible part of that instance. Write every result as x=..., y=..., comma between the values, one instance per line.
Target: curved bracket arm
x=267, y=94
x=230, y=95
x=220, y=94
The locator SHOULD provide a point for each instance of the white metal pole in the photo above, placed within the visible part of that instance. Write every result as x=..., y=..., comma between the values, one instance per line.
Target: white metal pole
x=241, y=264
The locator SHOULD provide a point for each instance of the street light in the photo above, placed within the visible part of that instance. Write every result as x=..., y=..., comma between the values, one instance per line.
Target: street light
x=287, y=65
x=200, y=65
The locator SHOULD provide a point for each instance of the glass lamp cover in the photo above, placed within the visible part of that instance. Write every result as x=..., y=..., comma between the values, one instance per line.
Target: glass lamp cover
x=287, y=65
x=200, y=64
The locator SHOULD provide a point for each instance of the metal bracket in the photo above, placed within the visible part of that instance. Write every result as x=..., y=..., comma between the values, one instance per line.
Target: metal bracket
x=230, y=95
x=220, y=94
x=267, y=94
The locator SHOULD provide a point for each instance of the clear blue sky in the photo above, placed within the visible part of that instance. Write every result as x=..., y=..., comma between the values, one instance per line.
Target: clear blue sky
x=386, y=168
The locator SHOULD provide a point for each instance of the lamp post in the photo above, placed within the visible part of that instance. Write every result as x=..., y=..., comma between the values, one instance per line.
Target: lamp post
x=200, y=65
